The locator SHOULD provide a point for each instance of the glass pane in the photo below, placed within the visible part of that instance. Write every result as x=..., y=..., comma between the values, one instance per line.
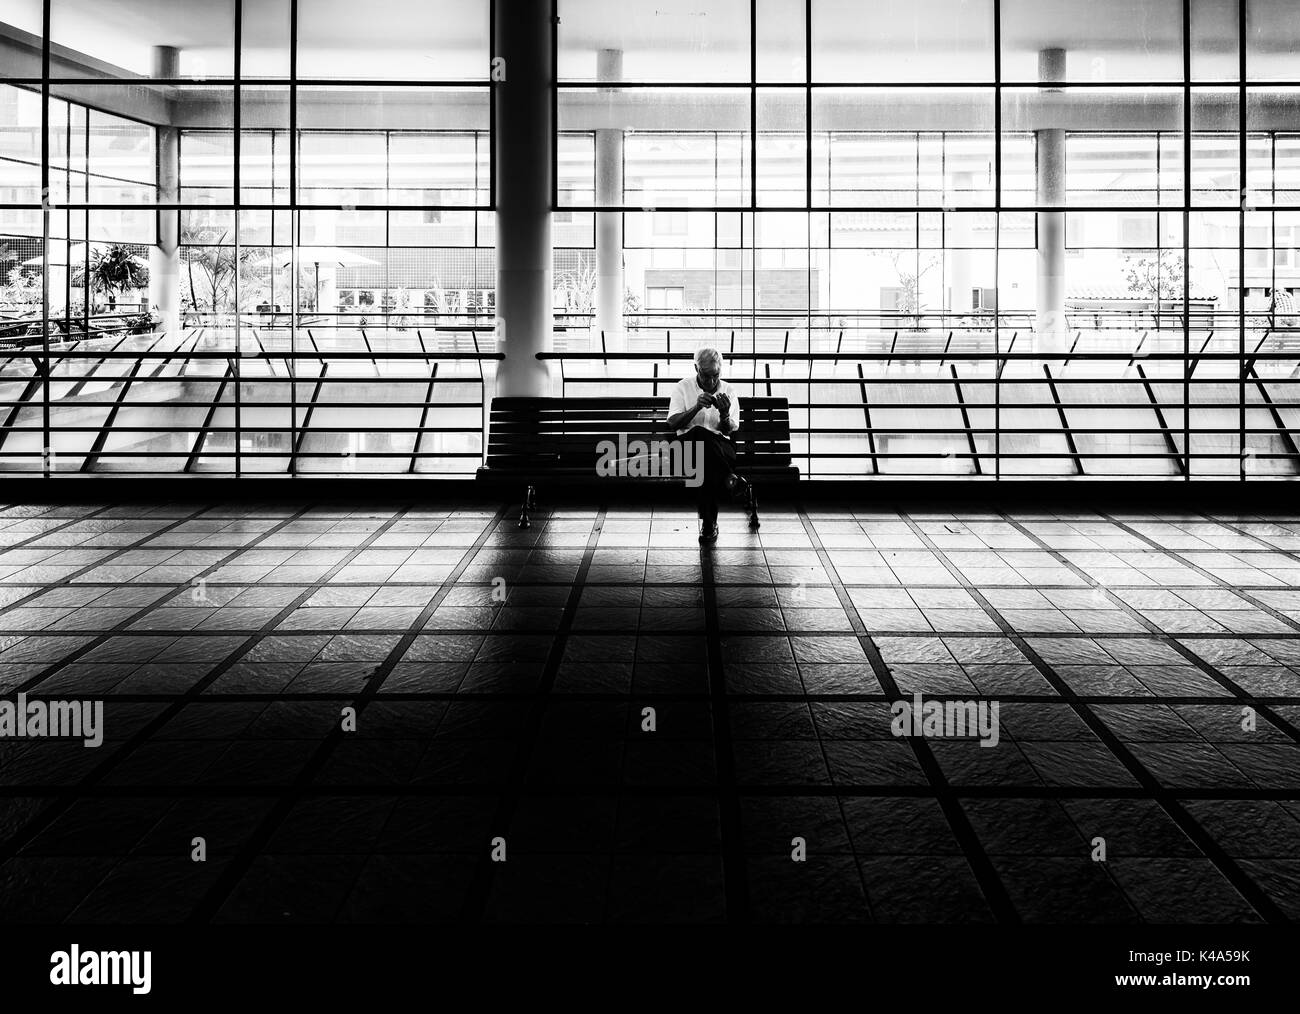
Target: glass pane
x=264, y=145
x=1136, y=40
x=1214, y=36
x=781, y=35
x=20, y=38
x=20, y=146
x=409, y=146
x=659, y=40
x=680, y=147
x=782, y=148
x=191, y=39
x=1272, y=40
x=407, y=40
x=265, y=31
x=902, y=40
x=894, y=148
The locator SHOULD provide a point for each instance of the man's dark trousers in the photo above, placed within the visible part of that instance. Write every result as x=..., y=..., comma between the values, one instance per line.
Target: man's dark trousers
x=717, y=455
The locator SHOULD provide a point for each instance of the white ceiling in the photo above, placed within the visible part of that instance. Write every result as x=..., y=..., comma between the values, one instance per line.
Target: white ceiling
x=686, y=40
x=920, y=40
x=404, y=39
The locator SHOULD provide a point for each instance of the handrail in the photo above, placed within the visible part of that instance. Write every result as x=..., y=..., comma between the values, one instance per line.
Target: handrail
x=940, y=356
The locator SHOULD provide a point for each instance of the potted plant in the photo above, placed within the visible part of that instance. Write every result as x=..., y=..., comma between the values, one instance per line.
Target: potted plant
x=144, y=322
x=116, y=270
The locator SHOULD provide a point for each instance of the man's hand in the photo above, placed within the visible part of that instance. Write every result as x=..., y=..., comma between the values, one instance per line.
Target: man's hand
x=683, y=418
x=723, y=404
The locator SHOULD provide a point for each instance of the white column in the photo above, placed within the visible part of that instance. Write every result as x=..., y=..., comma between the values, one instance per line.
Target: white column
x=523, y=147
x=609, y=224
x=165, y=255
x=961, y=275
x=1050, y=324
x=328, y=296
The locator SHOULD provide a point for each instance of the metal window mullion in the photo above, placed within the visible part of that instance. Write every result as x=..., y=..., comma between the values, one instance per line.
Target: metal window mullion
x=1241, y=237
x=1187, y=238
x=997, y=239
x=85, y=219
x=295, y=438
x=46, y=457
x=237, y=124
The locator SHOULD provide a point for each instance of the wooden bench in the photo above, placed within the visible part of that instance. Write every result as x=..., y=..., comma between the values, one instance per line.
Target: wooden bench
x=565, y=439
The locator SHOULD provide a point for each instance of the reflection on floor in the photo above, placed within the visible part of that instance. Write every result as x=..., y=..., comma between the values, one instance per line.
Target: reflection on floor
x=1145, y=668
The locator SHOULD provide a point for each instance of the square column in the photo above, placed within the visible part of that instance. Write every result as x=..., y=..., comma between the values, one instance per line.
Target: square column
x=609, y=224
x=165, y=256
x=523, y=148
x=1050, y=324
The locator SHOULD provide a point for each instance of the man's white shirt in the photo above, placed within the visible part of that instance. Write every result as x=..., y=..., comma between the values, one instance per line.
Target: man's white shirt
x=687, y=393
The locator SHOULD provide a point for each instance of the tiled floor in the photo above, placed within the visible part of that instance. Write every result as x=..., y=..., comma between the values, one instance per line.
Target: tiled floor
x=500, y=678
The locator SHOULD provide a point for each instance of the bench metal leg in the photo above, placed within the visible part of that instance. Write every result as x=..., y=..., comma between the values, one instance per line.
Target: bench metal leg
x=530, y=503
x=752, y=507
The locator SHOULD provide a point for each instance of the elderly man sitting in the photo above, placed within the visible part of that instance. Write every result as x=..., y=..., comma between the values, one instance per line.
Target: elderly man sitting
x=703, y=409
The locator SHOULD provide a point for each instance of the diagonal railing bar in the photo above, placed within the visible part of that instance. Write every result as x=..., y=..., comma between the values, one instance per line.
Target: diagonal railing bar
x=101, y=438
x=1065, y=422
x=85, y=379
x=1171, y=445
x=424, y=417
x=866, y=412
x=1283, y=431
x=1002, y=360
x=36, y=382
x=946, y=346
x=197, y=450
x=965, y=420
x=306, y=418
x=1069, y=353
x=1254, y=353
x=24, y=400
x=1137, y=353
x=1196, y=359
x=373, y=360
x=193, y=345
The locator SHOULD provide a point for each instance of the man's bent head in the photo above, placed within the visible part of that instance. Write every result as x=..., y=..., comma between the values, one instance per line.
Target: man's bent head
x=708, y=369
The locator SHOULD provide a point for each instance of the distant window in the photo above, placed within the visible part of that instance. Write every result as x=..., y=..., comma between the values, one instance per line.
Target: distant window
x=670, y=223
x=890, y=297
x=984, y=299
x=1137, y=232
x=1073, y=231
x=433, y=215
x=665, y=297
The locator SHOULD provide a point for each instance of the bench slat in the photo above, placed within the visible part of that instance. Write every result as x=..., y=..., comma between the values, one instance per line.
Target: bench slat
x=535, y=437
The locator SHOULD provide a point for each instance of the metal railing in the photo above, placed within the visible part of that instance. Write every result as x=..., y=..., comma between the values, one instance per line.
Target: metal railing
x=227, y=401
x=1209, y=394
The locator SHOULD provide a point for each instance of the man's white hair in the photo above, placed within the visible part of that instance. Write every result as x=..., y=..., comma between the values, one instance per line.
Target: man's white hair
x=708, y=354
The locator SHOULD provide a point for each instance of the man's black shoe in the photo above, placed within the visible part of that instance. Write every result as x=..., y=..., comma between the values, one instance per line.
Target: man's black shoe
x=709, y=534
x=739, y=488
